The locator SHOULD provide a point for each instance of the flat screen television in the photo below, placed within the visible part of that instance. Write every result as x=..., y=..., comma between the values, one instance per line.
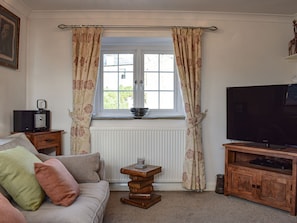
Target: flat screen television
x=263, y=114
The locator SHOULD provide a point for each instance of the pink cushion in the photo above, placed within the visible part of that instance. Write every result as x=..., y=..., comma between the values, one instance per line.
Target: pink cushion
x=57, y=182
x=8, y=213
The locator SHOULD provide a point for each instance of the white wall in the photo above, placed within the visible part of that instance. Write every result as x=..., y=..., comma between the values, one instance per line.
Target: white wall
x=246, y=50
x=13, y=82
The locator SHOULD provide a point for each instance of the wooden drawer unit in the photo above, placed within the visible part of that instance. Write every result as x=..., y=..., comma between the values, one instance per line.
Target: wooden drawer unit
x=45, y=140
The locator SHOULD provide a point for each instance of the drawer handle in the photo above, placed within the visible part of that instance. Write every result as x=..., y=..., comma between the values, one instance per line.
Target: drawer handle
x=49, y=140
x=256, y=186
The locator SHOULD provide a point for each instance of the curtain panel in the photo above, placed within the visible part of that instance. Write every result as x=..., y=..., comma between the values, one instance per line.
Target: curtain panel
x=187, y=48
x=85, y=64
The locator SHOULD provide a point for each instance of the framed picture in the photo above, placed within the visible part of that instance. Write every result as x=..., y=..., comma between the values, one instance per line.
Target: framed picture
x=9, y=38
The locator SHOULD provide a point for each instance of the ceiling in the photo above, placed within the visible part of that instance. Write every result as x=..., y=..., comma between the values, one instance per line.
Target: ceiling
x=286, y=7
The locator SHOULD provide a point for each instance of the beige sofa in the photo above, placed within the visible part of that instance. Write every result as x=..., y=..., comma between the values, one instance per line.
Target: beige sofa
x=88, y=171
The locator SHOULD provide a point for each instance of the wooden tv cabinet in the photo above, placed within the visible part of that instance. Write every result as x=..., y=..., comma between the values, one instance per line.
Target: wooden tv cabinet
x=273, y=186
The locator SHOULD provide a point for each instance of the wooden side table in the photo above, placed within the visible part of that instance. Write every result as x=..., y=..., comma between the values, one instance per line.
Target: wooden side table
x=45, y=140
x=141, y=188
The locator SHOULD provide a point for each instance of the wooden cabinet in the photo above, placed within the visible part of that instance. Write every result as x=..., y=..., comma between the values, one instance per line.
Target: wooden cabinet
x=273, y=185
x=46, y=140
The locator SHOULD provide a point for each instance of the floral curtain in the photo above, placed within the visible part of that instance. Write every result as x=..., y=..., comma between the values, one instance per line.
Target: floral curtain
x=85, y=63
x=187, y=47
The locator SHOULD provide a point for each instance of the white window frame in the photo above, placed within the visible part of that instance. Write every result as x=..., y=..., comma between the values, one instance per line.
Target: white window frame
x=139, y=49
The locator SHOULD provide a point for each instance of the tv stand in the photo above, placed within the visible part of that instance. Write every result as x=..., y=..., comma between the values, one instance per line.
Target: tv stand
x=271, y=181
x=266, y=145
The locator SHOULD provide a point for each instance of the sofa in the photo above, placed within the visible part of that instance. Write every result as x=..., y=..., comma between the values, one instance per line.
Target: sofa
x=37, y=188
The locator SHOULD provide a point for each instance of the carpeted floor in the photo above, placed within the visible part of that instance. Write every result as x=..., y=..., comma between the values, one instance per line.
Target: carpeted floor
x=192, y=207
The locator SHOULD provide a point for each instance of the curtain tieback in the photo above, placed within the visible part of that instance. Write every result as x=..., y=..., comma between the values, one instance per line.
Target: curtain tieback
x=78, y=119
x=194, y=122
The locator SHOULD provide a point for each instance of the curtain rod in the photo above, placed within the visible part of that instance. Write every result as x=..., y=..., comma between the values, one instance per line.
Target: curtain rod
x=63, y=26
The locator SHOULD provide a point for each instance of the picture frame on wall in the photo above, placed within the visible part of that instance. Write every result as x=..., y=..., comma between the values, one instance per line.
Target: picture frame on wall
x=9, y=38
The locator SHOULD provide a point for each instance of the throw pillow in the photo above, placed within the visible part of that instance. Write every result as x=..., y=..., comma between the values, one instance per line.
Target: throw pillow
x=4, y=192
x=18, y=179
x=57, y=182
x=8, y=213
x=12, y=141
x=84, y=168
x=17, y=139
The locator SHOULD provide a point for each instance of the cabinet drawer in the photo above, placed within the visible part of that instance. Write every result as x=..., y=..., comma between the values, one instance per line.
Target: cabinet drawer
x=48, y=140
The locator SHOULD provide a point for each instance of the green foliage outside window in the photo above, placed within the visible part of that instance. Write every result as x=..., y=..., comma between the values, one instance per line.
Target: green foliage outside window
x=118, y=99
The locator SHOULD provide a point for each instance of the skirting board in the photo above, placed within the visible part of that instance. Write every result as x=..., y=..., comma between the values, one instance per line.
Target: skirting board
x=159, y=187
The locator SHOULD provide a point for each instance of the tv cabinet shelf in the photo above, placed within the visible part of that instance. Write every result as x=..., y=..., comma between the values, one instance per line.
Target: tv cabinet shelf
x=254, y=166
x=273, y=186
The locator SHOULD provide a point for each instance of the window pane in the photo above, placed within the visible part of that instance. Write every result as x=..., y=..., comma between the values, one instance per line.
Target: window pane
x=166, y=62
x=126, y=81
x=110, y=62
x=166, y=100
x=125, y=62
x=110, y=100
x=167, y=81
x=151, y=100
x=126, y=98
x=151, y=81
x=110, y=81
x=151, y=62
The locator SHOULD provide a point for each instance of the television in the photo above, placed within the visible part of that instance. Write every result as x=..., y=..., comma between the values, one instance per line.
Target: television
x=263, y=114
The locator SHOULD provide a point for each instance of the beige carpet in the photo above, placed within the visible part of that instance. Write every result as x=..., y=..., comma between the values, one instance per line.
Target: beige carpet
x=190, y=207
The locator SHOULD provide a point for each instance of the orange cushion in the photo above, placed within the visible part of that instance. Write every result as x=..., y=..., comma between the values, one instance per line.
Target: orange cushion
x=57, y=182
x=8, y=213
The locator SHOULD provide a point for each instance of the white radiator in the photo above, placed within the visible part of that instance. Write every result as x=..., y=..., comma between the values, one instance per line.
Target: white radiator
x=120, y=147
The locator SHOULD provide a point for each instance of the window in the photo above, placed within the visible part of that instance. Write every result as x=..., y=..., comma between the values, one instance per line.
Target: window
x=137, y=72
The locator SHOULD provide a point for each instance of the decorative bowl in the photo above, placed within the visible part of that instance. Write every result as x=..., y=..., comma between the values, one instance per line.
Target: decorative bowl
x=139, y=112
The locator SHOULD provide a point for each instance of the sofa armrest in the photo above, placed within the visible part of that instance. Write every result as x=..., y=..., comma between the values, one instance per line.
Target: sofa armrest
x=101, y=171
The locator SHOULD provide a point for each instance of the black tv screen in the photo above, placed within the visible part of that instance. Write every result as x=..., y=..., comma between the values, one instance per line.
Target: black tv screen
x=263, y=114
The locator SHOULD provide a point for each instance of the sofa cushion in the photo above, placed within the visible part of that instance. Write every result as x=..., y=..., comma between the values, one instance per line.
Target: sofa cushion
x=9, y=142
x=57, y=182
x=8, y=213
x=4, y=193
x=88, y=207
x=18, y=179
x=84, y=168
x=17, y=139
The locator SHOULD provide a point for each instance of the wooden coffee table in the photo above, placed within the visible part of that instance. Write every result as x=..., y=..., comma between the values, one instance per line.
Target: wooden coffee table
x=141, y=188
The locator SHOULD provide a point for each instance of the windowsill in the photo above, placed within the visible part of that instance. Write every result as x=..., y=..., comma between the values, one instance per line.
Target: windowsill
x=174, y=117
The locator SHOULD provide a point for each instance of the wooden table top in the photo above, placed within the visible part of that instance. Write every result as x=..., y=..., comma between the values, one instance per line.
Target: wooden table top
x=150, y=170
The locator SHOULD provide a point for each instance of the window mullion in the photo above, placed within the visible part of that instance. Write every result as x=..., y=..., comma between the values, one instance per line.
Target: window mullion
x=139, y=86
x=159, y=81
x=136, y=81
x=118, y=81
x=141, y=77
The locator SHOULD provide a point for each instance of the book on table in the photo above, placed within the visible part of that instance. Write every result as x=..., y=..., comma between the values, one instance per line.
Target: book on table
x=145, y=190
x=140, y=196
x=139, y=184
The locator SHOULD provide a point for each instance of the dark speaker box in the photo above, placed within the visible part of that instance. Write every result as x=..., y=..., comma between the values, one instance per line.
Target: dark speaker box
x=23, y=120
